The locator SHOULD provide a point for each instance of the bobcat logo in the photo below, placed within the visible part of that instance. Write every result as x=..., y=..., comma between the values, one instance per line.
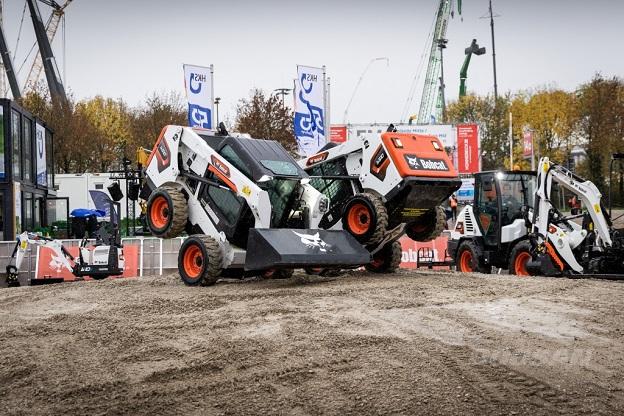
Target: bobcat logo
x=413, y=162
x=313, y=241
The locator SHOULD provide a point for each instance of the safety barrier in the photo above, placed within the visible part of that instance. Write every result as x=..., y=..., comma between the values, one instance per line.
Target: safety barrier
x=155, y=256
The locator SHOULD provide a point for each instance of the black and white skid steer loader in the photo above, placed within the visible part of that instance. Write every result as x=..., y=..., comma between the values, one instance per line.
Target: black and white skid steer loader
x=383, y=186
x=248, y=207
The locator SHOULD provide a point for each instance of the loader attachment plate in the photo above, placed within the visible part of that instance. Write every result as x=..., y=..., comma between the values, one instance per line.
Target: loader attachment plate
x=294, y=248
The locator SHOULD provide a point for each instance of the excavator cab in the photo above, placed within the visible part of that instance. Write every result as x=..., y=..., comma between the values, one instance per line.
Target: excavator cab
x=493, y=231
x=501, y=198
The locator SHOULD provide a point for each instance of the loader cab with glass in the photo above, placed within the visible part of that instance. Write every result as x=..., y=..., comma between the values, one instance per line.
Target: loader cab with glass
x=494, y=228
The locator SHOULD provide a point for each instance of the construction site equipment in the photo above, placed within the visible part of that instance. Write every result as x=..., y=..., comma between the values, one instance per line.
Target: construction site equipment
x=473, y=49
x=51, y=27
x=100, y=260
x=53, y=77
x=246, y=205
x=383, y=186
x=515, y=225
x=431, y=106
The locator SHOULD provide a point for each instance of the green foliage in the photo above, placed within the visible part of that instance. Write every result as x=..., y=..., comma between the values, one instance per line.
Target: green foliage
x=93, y=135
x=591, y=117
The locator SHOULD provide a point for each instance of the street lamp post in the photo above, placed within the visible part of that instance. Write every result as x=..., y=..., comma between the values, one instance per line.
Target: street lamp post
x=216, y=102
x=282, y=92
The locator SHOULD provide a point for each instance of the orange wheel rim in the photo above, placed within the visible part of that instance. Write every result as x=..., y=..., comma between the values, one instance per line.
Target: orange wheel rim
x=465, y=261
x=193, y=261
x=359, y=219
x=159, y=212
x=520, y=264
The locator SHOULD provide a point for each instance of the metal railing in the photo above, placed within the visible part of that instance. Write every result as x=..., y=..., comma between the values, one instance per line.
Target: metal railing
x=156, y=256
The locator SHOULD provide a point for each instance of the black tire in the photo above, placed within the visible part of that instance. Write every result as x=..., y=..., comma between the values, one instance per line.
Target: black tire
x=386, y=260
x=428, y=226
x=366, y=218
x=520, y=254
x=199, y=261
x=99, y=277
x=468, y=259
x=278, y=274
x=167, y=212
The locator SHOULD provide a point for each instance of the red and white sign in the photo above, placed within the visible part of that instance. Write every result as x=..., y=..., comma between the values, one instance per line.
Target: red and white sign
x=48, y=266
x=468, y=148
x=411, y=247
x=338, y=134
x=528, y=144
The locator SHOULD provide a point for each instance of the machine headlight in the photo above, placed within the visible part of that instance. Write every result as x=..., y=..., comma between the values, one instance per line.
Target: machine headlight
x=324, y=205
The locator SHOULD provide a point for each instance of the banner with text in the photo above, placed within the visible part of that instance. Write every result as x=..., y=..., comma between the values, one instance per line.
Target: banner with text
x=338, y=134
x=42, y=176
x=199, y=93
x=467, y=148
x=310, y=109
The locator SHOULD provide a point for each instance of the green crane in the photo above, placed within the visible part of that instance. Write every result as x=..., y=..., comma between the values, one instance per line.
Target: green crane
x=473, y=49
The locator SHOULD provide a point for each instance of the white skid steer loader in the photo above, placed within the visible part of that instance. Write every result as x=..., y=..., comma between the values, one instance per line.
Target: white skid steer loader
x=383, y=186
x=246, y=205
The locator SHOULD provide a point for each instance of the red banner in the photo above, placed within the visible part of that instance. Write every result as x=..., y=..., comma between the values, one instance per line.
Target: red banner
x=48, y=266
x=528, y=144
x=338, y=134
x=467, y=148
x=411, y=247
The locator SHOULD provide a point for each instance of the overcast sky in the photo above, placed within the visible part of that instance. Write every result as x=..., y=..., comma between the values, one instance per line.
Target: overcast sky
x=128, y=49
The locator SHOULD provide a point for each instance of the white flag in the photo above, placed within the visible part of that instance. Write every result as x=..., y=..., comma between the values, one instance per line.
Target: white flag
x=310, y=109
x=199, y=93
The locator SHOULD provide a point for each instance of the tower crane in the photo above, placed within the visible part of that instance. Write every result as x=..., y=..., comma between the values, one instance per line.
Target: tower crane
x=51, y=27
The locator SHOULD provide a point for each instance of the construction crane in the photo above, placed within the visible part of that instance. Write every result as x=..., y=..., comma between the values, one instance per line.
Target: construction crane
x=57, y=90
x=431, y=105
x=430, y=102
x=51, y=27
x=473, y=49
x=8, y=66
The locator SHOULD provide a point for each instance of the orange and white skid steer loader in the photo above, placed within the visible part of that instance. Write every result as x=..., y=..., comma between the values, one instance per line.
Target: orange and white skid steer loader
x=246, y=205
x=383, y=186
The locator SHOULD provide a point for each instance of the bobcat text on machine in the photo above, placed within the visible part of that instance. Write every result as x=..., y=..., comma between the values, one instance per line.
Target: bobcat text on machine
x=246, y=205
x=97, y=261
x=514, y=224
x=383, y=186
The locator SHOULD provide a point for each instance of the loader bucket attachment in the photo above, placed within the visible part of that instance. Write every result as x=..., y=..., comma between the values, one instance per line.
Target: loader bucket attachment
x=293, y=248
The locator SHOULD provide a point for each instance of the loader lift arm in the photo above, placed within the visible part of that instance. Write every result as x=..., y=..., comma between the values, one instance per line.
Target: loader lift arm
x=586, y=190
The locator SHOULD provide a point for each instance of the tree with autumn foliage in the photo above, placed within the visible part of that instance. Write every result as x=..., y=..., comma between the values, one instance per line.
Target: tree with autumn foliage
x=491, y=117
x=601, y=125
x=265, y=117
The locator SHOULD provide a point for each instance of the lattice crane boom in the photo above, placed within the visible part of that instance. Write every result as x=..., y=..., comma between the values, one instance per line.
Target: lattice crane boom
x=430, y=107
x=51, y=28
